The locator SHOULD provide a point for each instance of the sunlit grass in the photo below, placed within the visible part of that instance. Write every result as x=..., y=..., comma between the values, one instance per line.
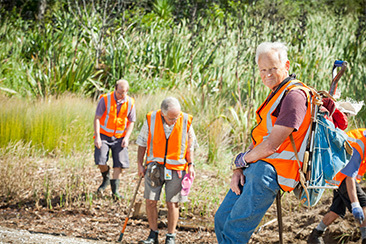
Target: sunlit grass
x=57, y=125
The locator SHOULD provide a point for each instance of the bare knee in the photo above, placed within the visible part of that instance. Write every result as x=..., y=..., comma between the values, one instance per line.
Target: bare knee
x=172, y=205
x=151, y=203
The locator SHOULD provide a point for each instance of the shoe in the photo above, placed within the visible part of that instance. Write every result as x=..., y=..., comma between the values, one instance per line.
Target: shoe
x=115, y=185
x=105, y=183
x=152, y=238
x=170, y=239
x=316, y=237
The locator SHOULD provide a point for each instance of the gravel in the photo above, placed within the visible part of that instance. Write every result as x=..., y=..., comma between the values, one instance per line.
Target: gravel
x=14, y=236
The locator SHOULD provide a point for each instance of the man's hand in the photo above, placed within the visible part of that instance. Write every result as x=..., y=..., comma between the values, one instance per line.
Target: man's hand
x=141, y=170
x=191, y=171
x=98, y=142
x=357, y=212
x=237, y=178
x=125, y=142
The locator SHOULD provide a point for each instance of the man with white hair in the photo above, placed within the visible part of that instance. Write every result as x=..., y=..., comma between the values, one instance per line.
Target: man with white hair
x=269, y=164
x=113, y=124
x=167, y=138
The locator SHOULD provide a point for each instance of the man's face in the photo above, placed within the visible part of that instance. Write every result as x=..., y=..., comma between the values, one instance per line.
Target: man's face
x=272, y=71
x=171, y=116
x=121, y=92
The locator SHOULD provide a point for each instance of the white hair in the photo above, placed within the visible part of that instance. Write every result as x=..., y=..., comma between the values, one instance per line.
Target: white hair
x=168, y=104
x=123, y=83
x=266, y=47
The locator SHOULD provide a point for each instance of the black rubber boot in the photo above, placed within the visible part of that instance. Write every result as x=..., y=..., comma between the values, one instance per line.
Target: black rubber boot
x=105, y=183
x=316, y=237
x=170, y=239
x=115, y=186
x=152, y=238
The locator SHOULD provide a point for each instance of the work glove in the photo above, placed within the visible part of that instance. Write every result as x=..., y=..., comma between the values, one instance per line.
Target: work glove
x=357, y=212
x=239, y=161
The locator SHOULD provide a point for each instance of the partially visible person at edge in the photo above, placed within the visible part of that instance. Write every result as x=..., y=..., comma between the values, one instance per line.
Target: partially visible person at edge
x=269, y=163
x=349, y=194
x=168, y=139
x=113, y=123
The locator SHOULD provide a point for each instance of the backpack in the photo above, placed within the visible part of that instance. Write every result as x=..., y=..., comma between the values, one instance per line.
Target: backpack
x=329, y=152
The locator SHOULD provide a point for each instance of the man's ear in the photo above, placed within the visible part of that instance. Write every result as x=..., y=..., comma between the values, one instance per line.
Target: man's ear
x=287, y=65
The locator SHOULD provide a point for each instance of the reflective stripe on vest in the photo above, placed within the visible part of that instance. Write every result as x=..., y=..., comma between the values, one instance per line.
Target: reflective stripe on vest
x=359, y=143
x=151, y=157
x=108, y=110
x=287, y=177
x=357, y=140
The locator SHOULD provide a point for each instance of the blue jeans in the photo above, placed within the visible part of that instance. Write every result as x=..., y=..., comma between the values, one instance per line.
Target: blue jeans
x=238, y=216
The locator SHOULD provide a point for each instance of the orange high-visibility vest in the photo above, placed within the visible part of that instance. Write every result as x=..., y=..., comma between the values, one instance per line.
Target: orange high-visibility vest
x=110, y=123
x=283, y=160
x=357, y=139
x=169, y=151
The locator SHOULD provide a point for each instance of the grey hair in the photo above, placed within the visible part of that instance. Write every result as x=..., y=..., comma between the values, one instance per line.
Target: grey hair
x=122, y=82
x=169, y=103
x=266, y=47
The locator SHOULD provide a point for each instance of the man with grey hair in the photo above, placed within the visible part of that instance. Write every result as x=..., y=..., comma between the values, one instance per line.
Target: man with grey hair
x=167, y=138
x=269, y=163
x=113, y=124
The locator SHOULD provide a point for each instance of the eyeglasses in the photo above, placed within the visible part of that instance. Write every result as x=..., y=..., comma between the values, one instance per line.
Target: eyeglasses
x=171, y=119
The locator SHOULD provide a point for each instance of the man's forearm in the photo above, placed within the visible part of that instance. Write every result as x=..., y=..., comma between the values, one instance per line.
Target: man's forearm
x=351, y=189
x=96, y=126
x=190, y=155
x=270, y=145
x=140, y=155
x=129, y=129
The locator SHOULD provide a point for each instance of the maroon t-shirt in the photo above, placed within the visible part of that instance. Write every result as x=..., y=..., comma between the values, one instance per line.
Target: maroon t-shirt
x=292, y=109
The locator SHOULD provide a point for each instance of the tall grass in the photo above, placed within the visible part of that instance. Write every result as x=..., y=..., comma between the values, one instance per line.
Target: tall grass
x=58, y=125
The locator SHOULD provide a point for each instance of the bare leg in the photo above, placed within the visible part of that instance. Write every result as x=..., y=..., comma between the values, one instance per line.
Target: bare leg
x=116, y=173
x=103, y=168
x=329, y=218
x=173, y=215
x=152, y=214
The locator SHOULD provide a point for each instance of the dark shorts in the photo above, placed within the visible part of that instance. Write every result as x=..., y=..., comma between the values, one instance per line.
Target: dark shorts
x=341, y=200
x=119, y=154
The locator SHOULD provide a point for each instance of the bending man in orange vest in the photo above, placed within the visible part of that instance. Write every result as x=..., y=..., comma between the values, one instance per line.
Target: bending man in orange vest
x=349, y=194
x=113, y=123
x=269, y=163
x=167, y=138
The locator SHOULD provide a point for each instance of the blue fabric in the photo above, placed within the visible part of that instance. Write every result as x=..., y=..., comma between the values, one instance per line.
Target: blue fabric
x=352, y=167
x=329, y=157
x=358, y=214
x=238, y=216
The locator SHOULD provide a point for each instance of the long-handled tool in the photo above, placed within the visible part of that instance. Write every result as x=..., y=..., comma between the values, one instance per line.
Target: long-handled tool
x=337, y=75
x=129, y=210
x=279, y=216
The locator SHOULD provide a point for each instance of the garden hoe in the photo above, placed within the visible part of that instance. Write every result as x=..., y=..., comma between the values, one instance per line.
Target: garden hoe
x=129, y=210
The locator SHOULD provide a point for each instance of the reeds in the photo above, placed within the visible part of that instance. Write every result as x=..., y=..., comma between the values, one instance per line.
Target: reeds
x=59, y=126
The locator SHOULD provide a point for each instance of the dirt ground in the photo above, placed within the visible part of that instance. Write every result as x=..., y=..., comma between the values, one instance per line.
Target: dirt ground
x=103, y=222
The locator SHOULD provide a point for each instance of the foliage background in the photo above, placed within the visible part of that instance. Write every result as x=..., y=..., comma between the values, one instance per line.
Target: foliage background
x=57, y=57
x=199, y=51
